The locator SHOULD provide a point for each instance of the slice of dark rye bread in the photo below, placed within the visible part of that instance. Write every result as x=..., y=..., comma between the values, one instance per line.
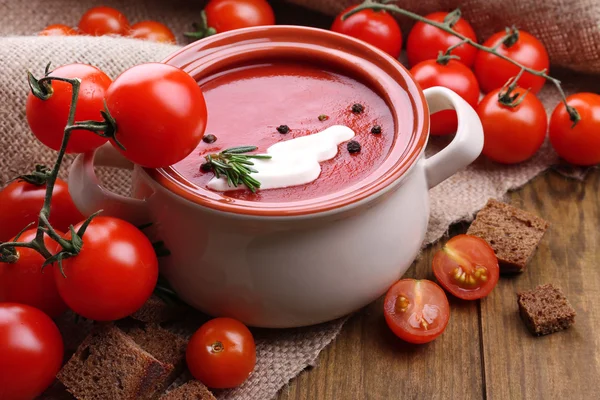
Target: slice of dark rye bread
x=156, y=310
x=545, y=310
x=109, y=365
x=514, y=234
x=191, y=390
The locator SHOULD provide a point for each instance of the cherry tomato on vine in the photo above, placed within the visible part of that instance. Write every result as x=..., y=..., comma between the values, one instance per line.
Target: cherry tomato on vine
x=21, y=202
x=455, y=76
x=227, y=15
x=58, y=30
x=493, y=72
x=160, y=114
x=31, y=351
x=467, y=267
x=424, y=41
x=153, y=31
x=48, y=118
x=114, y=273
x=417, y=311
x=579, y=144
x=221, y=354
x=377, y=28
x=25, y=282
x=512, y=134
x=99, y=21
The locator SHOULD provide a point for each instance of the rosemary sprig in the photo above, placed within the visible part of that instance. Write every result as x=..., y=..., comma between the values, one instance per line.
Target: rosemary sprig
x=235, y=166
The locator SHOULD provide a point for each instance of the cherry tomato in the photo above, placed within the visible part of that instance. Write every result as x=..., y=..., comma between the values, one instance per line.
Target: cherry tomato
x=160, y=114
x=48, y=118
x=221, y=354
x=25, y=282
x=417, y=311
x=114, y=273
x=377, y=28
x=454, y=76
x=579, y=144
x=424, y=41
x=512, y=134
x=493, y=72
x=152, y=30
x=99, y=21
x=31, y=351
x=227, y=15
x=21, y=203
x=467, y=267
x=58, y=30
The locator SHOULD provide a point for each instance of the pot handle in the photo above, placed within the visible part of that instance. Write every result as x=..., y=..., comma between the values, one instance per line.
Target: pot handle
x=90, y=196
x=466, y=145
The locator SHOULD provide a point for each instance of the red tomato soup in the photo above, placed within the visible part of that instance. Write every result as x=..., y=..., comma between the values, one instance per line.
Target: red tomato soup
x=247, y=104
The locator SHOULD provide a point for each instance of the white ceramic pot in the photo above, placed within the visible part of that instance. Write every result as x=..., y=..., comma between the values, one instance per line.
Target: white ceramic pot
x=280, y=270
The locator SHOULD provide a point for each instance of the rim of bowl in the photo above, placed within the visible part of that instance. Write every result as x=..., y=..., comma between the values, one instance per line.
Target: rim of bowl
x=206, y=57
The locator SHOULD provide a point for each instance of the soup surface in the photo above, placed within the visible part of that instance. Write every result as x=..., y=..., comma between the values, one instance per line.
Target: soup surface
x=246, y=105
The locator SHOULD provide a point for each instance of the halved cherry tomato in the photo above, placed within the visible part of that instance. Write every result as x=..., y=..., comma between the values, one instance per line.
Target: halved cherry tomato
x=454, y=76
x=25, y=282
x=227, y=15
x=47, y=118
x=466, y=267
x=31, y=351
x=58, y=30
x=114, y=273
x=417, y=311
x=374, y=27
x=493, y=72
x=579, y=144
x=160, y=114
x=222, y=353
x=424, y=41
x=99, y=21
x=153, y=31
x=512, y=134
x=21, y=202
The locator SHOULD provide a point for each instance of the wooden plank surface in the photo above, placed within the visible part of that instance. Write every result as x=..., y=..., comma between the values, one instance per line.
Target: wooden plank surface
x=486, y=351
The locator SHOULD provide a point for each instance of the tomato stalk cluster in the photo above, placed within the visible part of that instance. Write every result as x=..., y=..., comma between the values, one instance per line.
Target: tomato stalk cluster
x=446, y=26
x=42, y=89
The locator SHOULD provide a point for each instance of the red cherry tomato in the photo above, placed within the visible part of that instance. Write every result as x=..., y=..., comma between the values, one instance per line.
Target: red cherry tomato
x=227, y=15
x=58, y=30
x=512, y=134
x=114, y=273
x=160, y=114
x=21, y=202
x=579, y=144
x=454, y=76
x=417, y=311
x=493, y=72
x=153, y=31
x=31, y=351
x=25, y=282
x=48, y=118
x=99, y=21
x=467, y=267
x=222, y=353
x=374, y=27
x=425, y=41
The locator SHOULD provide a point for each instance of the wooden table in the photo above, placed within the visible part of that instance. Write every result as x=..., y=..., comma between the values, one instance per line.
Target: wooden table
x=486, y=352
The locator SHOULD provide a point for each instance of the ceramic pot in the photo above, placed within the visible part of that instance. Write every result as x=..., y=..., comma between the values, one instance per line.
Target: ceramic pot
x=301, y=262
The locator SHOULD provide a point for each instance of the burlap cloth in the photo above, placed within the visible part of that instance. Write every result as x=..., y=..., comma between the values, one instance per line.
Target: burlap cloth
x=568, y=28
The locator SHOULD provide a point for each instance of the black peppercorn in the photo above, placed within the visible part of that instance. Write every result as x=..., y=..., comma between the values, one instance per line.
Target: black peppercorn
x=283, y=129
x=376, y=129
x=206, y=167
x=353, y=146
x=323, y=117
x=210, y=138
x=357, y=108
